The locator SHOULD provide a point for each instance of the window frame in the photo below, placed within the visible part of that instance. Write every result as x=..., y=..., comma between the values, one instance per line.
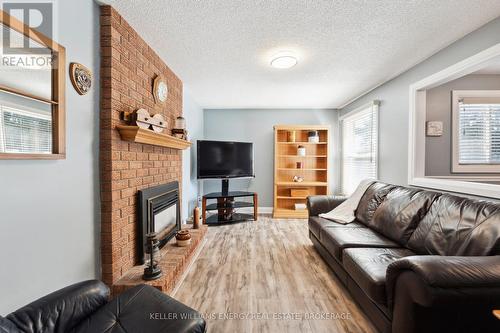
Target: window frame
x=375, y=104
x=456, y=167
x=58, y=100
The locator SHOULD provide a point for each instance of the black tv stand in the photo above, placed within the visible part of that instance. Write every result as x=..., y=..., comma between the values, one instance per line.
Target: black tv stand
x=225, y=186
x=226, y=207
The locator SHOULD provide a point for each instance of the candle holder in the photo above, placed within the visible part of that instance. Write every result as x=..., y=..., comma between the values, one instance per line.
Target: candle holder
x=152, y=271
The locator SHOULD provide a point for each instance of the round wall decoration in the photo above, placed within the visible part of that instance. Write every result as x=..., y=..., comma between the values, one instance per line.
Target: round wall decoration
x=81, y=78
x=160, y=90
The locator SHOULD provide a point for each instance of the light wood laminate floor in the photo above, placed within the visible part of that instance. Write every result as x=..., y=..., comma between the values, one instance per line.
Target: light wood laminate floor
x=265, y=276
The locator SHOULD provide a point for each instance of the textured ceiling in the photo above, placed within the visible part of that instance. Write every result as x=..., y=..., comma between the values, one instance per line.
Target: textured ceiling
x=221, y=48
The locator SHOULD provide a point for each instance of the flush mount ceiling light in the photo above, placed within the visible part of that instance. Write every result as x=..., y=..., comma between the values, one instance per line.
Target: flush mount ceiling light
x=283, y=60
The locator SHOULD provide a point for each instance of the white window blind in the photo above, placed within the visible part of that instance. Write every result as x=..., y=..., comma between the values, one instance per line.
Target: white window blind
x=359, y=131
x=23, y=131
x=479, y=131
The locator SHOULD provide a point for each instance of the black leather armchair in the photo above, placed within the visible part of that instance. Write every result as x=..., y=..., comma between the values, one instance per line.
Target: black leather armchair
x=84, y=308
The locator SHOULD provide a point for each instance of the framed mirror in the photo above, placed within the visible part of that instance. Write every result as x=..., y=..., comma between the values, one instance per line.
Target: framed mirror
x=32, y=93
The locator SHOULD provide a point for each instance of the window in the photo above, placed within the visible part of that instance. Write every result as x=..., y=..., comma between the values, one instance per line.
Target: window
x=359, y=131
x=24, y=131
x=476, y=131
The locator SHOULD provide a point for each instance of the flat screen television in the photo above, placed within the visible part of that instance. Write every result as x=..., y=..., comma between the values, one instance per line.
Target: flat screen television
x=223, y=159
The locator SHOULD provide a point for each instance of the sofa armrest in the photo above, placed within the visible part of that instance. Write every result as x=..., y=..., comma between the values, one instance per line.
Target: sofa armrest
x=444, y=294
x=61, y=310
x=442, y=273
x=319, y=204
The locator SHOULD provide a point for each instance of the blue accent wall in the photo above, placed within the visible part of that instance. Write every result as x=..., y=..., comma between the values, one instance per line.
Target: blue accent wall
x=256, y=125
x=191, y=188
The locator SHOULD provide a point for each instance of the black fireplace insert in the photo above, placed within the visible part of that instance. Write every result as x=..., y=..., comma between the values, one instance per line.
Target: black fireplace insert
x=158, y=211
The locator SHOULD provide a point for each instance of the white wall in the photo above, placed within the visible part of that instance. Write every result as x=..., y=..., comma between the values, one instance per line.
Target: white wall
x=193, y=114
x=394, y=97
x=49, y=222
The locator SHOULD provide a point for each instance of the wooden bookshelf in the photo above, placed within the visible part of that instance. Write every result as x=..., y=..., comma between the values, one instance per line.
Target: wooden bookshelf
x=314, y=167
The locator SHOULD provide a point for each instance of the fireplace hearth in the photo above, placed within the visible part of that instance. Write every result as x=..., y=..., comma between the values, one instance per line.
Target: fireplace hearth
x=158, y=211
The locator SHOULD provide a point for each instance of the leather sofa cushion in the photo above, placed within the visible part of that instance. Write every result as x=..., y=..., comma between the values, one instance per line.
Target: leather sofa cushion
x=335, y=240
x=367, y=267
x=401, y=211
x=456, y=226
x=6, y=326
x=143, y=309
x=316, y=224
x=370, y=201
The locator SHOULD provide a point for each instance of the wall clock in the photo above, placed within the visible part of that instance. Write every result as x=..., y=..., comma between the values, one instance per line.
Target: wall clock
x=81, y=78
x=160, y=90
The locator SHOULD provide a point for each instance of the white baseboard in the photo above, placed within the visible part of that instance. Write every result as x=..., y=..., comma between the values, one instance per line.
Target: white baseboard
x=265, y=210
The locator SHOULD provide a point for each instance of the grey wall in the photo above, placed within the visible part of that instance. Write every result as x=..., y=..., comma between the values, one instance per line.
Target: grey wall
x=193, y=114
x=256, y=125
x=49, y=224
x=394, y=97
x=438, y=149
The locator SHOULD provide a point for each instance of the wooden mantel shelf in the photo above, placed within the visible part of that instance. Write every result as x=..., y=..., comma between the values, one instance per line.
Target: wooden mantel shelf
x=139, y=135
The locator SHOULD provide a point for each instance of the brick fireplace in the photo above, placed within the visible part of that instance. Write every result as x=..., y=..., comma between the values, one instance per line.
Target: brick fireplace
x=128, y=68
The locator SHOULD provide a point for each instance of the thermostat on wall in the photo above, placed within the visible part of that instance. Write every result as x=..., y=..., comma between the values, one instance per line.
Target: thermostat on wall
x=434, y=128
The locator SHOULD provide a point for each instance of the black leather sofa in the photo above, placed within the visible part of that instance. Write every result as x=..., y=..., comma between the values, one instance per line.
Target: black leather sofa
x=85, y=308
x=415, y=260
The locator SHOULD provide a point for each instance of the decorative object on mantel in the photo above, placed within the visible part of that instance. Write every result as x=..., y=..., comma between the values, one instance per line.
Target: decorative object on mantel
x=290, y=136
x=434, y=128
x=197, y=222
x=158, y=123
x=180, y=123
x=160, y=89
x=152, y=271
x=81, y=78
x=179, y=130
x=298, y=179
x=180, y=133
x=144, y=120
x=183, y=238
x=139, y=135
x=301, y=151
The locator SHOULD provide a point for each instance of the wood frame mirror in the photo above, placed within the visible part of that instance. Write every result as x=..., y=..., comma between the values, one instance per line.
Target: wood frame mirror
x=57, y=101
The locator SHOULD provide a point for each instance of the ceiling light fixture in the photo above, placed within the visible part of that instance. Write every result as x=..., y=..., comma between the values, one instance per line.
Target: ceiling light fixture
x=284, y=60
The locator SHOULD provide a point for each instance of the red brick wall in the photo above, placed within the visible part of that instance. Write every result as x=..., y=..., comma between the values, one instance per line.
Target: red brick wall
x=128, y=67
